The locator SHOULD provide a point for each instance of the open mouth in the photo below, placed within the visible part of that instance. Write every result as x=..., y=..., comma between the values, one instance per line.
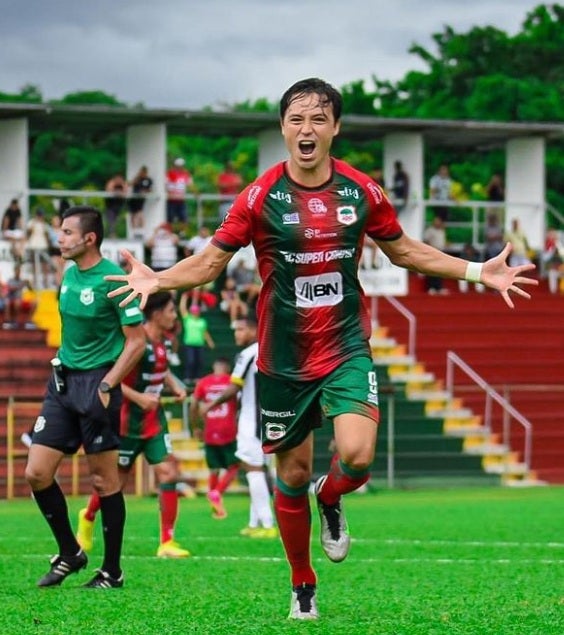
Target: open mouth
x=306, y=147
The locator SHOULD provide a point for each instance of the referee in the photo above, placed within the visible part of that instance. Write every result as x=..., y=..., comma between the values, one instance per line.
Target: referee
x=100, y=344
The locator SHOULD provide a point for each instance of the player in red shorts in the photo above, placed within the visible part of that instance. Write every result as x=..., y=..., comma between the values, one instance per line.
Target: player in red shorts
x=307, y=218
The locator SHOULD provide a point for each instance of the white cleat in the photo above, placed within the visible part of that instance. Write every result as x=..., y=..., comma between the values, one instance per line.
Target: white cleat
x=303, y=606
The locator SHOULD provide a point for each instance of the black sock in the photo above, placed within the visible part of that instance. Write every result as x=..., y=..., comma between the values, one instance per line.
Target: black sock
x=113, y=522
x=53, y=505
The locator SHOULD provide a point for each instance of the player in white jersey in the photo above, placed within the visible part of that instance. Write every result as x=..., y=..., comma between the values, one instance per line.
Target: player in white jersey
x=249, y=444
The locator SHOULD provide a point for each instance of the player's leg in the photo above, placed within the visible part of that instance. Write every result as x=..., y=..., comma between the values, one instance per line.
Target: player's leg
x=40, y=470
x=350, y=399
x=158, y=452
x=215, y=462
x=231, y=466
x=293, y=513
x=53, y=433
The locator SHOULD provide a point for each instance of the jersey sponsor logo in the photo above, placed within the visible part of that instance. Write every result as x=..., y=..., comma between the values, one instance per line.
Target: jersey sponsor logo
x=349, y=192
x=39, y=424
x=346, y=214
x=316, y=206
x=376, y=192
x=274, y=431
x=86, y=296
x=281, y=196
x=372, y=388
x=253, y=193
x=325, y=289
x=310, y=232
x=314, y=257
x=291, y=219
x=277, y=413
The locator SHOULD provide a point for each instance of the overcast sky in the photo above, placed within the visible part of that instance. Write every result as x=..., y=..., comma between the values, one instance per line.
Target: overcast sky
x=195, y=53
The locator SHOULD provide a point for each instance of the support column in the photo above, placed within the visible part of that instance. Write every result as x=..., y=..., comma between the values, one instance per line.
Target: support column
x=272, y=149
x=146, y=145
x=525, y=187
x=409, y=149
x=14, y=163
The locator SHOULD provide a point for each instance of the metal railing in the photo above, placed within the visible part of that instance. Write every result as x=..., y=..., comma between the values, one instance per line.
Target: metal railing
x=491, y=396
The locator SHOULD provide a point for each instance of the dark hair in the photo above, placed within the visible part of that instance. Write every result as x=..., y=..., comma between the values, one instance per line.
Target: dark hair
x=328, y=95
x=156, y=302
x=90, y=220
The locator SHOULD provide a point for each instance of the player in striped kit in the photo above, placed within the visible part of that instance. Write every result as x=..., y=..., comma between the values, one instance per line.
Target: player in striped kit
x=144, y=428
x=307, y=218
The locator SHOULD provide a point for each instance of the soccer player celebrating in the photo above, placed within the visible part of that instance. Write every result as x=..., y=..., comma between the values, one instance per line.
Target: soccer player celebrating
x=144, y=428
x=307, y=218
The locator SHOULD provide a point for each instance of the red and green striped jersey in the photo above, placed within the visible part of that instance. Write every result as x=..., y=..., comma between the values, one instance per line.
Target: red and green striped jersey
x=147, y=376
x=312, y=313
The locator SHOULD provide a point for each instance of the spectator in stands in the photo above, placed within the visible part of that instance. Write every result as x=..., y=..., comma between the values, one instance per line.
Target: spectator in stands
x=141, y=185
x=18, y=308
x=195, y=336
x=249, y=449
x=247, y=282
x=229, y=183
x=520, y=252
x=117, y=187
x=3, y=294
x=219, y=432
x=400, y=187
x=57, y=262
x=553, y=258
x=496, y=193
x=493, y=237
x=144, y=428
x=231, y=302
x=435, y=235
x=378, y=176
x=178, y=182
x=197, y=243
x=440, y=189
x=202, y=296
x=164, y=247
x=38, y=248
x=12, y=229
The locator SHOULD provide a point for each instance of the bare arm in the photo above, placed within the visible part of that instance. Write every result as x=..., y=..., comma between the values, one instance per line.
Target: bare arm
x=132, y=352
x=496, y=274
x=175, y=386
x=229, y=393
x=187, y=273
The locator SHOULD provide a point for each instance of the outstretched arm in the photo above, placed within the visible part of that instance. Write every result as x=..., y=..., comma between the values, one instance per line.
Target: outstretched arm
x=190, y=272
x=494, y=273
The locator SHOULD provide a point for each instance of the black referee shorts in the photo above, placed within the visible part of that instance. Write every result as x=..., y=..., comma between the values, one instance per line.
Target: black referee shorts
x=78, y=417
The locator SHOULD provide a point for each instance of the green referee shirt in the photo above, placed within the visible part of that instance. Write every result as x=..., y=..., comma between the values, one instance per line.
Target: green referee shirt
x=92, y=323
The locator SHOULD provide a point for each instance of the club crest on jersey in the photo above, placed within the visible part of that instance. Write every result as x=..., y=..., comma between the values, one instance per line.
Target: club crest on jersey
x=86, y=296
x=346, y=214
x=316, y=206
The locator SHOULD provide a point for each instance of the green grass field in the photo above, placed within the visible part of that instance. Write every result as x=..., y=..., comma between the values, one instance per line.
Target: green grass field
x=422, y=562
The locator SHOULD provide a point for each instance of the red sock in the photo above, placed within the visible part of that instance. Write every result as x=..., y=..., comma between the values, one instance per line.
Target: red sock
x=168, y=502
x=92, y=507
x=229, y=474
x=294, y=523
x=339, y=482
x=213, y=480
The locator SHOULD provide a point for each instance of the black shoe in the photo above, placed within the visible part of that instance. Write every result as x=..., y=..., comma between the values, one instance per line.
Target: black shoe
x=63, y=566
x=302, y=604
x=103, y=580
x=335, y=539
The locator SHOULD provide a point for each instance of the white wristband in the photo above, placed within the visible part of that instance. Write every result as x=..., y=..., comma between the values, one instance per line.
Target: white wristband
x=474, y=271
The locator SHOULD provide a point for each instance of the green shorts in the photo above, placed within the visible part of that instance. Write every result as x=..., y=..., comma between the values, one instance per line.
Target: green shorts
x=155, y=449
x=290, y=410
x=221, y=456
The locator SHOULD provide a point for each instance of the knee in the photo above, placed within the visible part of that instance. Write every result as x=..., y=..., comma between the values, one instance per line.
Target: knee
x=104, y=485
x=295, y=475
x=37, y=478
x=358, y=461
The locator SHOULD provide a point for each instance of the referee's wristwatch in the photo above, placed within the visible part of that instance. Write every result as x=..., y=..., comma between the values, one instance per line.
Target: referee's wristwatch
x=104, y=387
